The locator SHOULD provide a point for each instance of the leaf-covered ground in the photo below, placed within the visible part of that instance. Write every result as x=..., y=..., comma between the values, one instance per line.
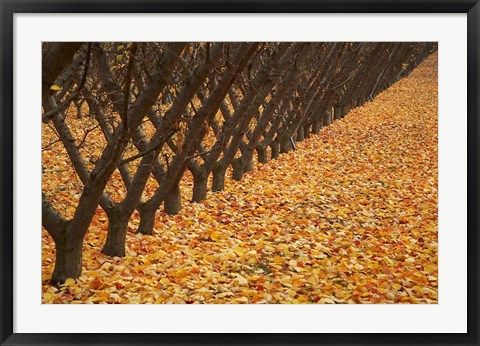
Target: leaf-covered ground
x=349, y=217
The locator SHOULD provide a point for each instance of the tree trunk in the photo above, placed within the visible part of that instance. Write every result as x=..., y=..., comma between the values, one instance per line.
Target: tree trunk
x=306, y=131
x=199, y=187
x=327, y=120
x=248, y=166
x=147, y=220
x=237, y=165
x=345, y=109
x=116, y=235
x=275, y=149
x=218, y=183
x=317, y=125
x=68, y=259
x=173, y=202
x=360, y=101
x=337, y=112
x=54, y=60
x=261, y=153
x=285, y=144
x=78, y=107
x=300, y=134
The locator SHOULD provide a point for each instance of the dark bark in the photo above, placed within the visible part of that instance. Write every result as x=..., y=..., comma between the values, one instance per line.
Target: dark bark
x=261, y=153
x=197, y=130
x=68, y=257
x=275, y=147
x=327, y=120
x=68, y=262
x=173, y=201
x=337, y=109
x=301, y=134
x=199, y=187
x=345, y=75
x=68, y=245
x=254, y=97
x=285, y=144
x=147, y=220
x=287, y=85
x=307, y=131
x=237, y=165
x=56, y=57
x=119, y=215
x=52, y=220
x=117, y=232
x=73, y=150
x=248, y=166
x=345, y=109
x=218, y=175
x=317, y=125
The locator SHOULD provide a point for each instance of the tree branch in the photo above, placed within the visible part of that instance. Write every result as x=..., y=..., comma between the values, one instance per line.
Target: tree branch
x=160, y=142
x=52, y=220
x=48, y=115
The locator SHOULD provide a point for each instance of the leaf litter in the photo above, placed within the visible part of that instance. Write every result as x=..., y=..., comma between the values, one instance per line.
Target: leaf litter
x=349, y=217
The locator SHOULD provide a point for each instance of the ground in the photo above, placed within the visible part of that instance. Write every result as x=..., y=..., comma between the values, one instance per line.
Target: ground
x=349, y=217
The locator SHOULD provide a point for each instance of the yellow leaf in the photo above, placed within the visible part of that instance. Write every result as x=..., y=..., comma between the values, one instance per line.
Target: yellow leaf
x=397, y=287
x=242, y=300
x=55, y=87
x=69, y=282
x=283, y=247
x=47, y=296
x=359, y=266
x=261, y=210
x=216, y=236
x=239, y=251
x=312, y=280
x=164, y=281
x=241, y=280
x=430, y=268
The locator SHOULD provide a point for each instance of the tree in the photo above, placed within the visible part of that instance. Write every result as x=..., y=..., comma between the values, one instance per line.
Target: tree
x=165, y=108
x=68, y=234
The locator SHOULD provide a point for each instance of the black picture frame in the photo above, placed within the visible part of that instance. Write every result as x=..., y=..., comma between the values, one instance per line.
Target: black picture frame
x=10, y=7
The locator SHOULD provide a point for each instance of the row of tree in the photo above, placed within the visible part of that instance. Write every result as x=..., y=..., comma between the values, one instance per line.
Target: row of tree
x=255, y=98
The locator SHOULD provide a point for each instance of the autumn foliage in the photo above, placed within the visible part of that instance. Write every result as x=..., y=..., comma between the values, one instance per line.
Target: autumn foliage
x=350, y=216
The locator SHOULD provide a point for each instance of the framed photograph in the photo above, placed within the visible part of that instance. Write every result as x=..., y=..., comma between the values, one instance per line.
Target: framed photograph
x=246, y=172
